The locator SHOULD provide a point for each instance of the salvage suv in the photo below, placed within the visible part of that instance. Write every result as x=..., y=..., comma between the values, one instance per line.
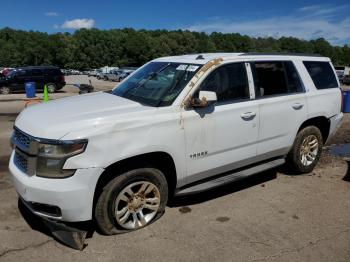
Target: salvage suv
x=176, y=126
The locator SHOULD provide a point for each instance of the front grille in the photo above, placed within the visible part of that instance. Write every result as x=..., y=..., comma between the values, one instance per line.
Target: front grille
x=24, y=162
x=21, y=162
x=21, y=140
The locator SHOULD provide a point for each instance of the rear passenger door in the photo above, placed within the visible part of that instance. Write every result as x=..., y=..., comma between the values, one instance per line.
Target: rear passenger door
x=282, y=106
x=38, y=77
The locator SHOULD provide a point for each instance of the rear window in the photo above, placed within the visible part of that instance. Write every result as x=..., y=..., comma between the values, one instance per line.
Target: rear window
x=322, y=74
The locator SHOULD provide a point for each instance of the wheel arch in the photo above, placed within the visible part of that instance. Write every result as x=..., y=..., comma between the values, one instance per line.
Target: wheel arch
x=321, y=122
x=160, y=160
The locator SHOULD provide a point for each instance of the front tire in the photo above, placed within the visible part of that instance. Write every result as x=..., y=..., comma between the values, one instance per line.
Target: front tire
x=306, y=150
x=131, y=201
x=4, y=90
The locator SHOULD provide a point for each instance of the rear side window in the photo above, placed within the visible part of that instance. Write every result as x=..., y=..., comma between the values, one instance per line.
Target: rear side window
x=36, y=72
x=275, y=78
x=53, y=72
x=322, y=74
x=229, y=82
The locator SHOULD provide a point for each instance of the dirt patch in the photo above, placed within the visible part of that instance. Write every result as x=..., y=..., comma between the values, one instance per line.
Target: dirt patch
x=222, y=219
x=4, y=162
x=9, y=114
x=5, y=184
x=185, y=210
x=9, y=117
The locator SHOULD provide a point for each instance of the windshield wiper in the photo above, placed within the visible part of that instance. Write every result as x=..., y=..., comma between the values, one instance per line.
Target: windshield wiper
x=177, y=81
x=150, y=76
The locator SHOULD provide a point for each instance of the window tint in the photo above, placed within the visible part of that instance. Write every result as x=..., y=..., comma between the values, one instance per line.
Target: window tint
x=52, y=72
x=229, y=82
x=322, y=74
x=23, y=73
x=275, y=78
x=36, y=72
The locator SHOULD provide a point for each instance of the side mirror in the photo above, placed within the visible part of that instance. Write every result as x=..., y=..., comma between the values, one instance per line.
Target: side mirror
x=204, y=99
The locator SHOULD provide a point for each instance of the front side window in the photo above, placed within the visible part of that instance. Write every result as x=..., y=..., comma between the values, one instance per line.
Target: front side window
x=275, y=78
x=157, y=83
x=322, y=74
x=229, y=82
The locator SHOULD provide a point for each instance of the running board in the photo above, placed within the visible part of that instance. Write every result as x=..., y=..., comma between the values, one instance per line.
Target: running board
x=230, y=177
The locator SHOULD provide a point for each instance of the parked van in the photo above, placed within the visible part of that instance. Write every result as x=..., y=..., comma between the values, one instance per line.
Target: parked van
x=50, y=76
x=178, y=125
x=342, y=72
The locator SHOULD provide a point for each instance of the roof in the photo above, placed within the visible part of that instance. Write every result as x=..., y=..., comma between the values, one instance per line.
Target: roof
x=197, y=58
x=37, y=67
x=203, y=58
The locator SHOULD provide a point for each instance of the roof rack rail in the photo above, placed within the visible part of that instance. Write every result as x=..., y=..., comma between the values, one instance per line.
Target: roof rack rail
x=283, y=54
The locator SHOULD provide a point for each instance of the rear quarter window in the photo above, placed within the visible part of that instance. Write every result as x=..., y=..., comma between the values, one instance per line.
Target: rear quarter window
x=322, y=74
x=53, y=72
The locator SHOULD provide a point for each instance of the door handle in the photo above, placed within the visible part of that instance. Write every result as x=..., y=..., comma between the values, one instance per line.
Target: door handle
x=297, y=106
x=248, y=115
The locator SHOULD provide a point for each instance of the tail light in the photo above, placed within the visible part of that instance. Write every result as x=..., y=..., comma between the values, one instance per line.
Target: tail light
x=62, y=79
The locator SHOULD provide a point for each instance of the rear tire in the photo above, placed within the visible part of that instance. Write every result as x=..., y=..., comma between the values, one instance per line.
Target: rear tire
x=306, y=150
x=4, y=90
x=51, y=88
x=125, y=203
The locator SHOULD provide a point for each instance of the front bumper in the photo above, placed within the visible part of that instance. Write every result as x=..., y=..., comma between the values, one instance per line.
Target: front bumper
x=73, y=196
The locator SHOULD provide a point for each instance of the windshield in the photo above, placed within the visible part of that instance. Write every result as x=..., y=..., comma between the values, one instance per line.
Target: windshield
x=157, y=83
x=11, y=73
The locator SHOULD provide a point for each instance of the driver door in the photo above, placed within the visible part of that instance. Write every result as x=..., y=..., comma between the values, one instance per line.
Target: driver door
x=223, y=136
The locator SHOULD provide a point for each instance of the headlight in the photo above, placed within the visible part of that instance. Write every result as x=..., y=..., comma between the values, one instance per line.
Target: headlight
x=61, y=150
x=51, y=158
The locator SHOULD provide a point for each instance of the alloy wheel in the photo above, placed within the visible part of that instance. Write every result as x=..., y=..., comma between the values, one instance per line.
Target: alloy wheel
x=309, y=150
x=137, y=204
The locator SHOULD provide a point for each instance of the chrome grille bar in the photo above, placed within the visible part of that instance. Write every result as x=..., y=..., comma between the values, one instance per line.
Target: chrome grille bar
x=26, y=149
x=26, y=163
x=25, y=142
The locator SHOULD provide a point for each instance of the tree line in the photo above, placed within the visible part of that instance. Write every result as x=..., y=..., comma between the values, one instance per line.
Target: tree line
x=94, y=48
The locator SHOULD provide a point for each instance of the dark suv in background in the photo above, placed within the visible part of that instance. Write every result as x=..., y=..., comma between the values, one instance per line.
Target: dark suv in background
x=41, y=75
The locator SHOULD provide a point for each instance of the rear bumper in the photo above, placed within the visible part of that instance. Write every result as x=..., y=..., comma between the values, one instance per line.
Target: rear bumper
x=335, y=122
x=60, y=85
x=72, y=196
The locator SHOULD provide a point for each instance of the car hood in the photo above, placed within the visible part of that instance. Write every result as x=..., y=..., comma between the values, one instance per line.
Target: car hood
x=57, y=118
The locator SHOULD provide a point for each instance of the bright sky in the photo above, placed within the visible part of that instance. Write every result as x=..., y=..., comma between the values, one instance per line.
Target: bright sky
x=302, y=19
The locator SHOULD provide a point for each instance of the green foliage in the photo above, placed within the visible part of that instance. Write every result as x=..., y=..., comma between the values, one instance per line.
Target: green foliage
x=93, y=48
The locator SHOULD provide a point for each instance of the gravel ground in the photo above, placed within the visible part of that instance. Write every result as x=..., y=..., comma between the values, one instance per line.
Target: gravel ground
x=272, y=216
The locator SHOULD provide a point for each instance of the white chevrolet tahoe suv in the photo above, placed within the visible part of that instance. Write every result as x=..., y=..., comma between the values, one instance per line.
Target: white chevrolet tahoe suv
x=176, y=126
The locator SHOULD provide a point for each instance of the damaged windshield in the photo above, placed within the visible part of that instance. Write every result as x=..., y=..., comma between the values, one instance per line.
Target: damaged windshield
x=157, y=83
